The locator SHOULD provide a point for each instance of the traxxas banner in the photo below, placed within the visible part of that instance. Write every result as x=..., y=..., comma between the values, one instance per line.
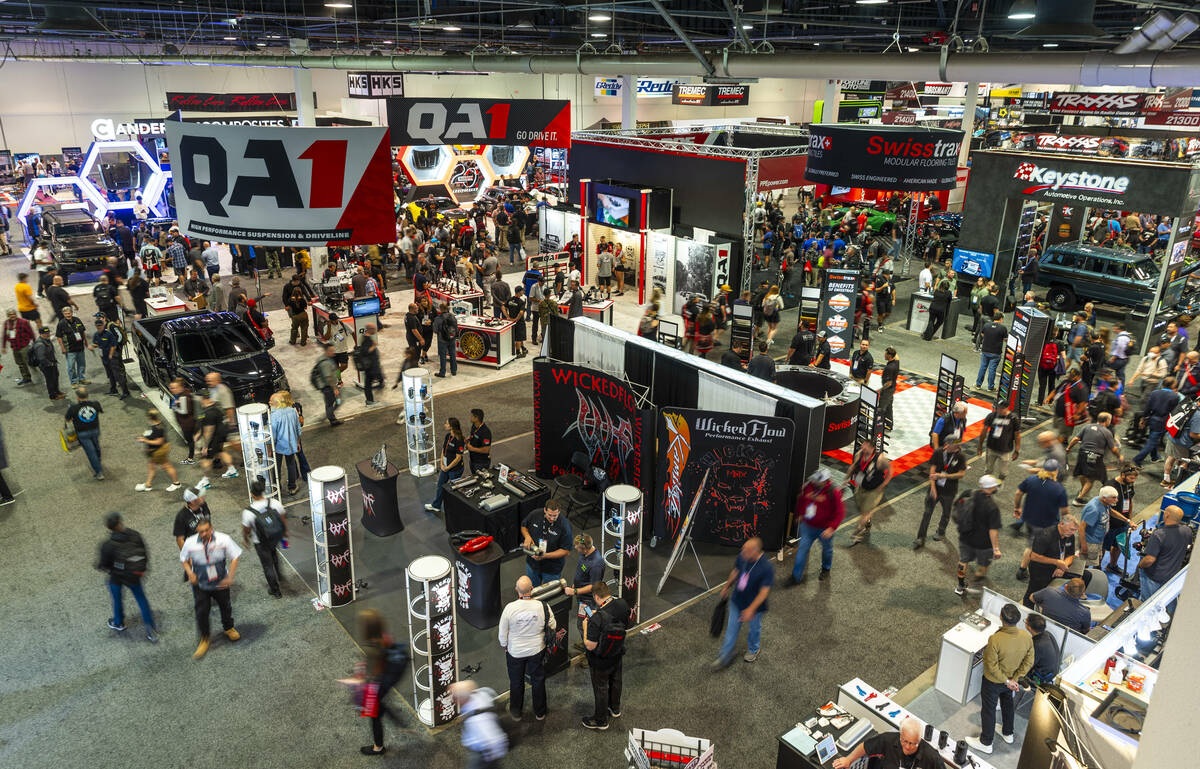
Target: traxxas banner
x=520, y=122
x=582, y=410
x=286, y=186
x=748, y=459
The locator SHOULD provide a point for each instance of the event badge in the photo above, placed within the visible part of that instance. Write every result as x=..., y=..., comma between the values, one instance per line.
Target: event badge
x=212, y=573
x=810, y=511
x=542, y=545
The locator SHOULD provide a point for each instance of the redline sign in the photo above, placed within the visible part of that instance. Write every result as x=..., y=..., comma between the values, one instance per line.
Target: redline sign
x=1108, y=104
x=231, y=102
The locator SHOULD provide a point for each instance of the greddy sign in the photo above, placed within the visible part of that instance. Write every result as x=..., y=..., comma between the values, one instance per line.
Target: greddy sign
x=245, y=184
x=521, y=122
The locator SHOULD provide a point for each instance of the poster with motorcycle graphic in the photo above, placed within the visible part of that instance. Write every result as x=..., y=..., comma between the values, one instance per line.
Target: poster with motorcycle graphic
x=748, y=460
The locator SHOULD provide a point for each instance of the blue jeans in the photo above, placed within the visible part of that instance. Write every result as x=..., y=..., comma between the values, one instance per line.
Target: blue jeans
x=1118, y=367
x=1150, y=447
x=539, y=577
x=90, y=441
x=1149, y=586
x=76, y=366
x=118, y=603
x=808, y=535
x=447, y=352
x=733, y=626
x=514, y=250
x=444, y=477
x=987, y=362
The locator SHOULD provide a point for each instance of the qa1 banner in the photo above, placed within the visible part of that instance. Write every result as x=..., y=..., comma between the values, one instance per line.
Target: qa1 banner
x=287, y=186
x=749, y=462
x=883, y=157
x=582, y=410
x=520, y=122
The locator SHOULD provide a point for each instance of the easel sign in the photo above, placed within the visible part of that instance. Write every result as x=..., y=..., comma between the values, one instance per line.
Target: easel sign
x=684, y=540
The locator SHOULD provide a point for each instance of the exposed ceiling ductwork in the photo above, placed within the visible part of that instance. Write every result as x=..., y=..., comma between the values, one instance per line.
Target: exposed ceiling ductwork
x=1143, y=70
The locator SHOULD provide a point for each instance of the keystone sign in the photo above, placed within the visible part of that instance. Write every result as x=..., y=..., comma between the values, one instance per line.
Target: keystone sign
x=711, y=95
x=883, y=157
x=519, y=122
x=1082, y=186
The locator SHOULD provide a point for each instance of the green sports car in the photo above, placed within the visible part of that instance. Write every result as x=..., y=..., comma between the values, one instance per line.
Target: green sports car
x=875, y=218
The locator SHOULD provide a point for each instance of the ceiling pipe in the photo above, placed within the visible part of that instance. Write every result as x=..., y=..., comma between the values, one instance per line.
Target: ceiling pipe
x=1186, y=24
x=1141, y=70
x=1151, y=29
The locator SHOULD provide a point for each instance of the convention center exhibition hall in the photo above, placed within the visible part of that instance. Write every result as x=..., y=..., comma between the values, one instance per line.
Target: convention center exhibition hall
x=653, y=383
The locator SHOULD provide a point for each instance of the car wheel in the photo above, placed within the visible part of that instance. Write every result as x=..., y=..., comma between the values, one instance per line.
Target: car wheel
x=1061, y=298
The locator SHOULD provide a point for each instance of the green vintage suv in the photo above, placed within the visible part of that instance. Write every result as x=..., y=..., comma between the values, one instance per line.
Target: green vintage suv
x=1074, y=273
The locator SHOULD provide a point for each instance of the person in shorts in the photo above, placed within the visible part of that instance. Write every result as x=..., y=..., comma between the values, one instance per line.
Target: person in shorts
x=1095, y=442
x=158, y=451
x=215, y=430
x=979, y=537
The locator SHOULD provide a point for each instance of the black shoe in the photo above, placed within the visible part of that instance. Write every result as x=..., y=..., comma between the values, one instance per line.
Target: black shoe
x=369, y=750
x=792, y=581
x=1016, y=528
x=824, y=575
x=440, y=376
x=592, y=723
x=939, y=536
x=614, y=713
x=336, y=422
x=918, y=543
x=114, y=626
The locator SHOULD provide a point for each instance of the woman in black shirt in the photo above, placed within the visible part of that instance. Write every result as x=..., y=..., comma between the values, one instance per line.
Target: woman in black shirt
x=426, y=327
x=451, y=465
x=158, y=450
x=938, y=309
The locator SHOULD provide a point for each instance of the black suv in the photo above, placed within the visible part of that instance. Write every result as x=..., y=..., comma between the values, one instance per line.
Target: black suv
x=77, y=241
x=1074, y=272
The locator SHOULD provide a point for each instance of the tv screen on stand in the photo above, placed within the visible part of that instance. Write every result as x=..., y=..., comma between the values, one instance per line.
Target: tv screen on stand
x=612, y=209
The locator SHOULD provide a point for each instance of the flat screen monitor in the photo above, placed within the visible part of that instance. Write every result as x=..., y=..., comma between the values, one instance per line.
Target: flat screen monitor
x=363, y=306
x=973, y=264
x=826, y=750
x=612, y=209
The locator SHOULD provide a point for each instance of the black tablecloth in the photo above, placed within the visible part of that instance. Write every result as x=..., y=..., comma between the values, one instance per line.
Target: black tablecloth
x=504, y=523
x=478, y=593
x=381, y=503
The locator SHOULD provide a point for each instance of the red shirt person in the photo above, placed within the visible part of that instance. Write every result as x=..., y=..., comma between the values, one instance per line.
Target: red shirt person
x=819, y=511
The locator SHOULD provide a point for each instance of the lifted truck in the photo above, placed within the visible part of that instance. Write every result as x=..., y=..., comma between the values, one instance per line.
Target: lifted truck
x=192, y=344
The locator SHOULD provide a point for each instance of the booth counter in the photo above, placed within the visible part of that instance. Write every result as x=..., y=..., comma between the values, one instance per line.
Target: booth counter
x=486, y=341
x=601, y=311
x=450, y=292
x=168, y=304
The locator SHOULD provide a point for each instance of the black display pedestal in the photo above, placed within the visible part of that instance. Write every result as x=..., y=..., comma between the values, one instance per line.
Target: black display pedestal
x=478, y=585
x=504, y=523
x=559, y=657
x=380, y=498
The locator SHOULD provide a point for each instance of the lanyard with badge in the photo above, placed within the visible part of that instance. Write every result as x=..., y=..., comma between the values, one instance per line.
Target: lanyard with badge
x=210, y=570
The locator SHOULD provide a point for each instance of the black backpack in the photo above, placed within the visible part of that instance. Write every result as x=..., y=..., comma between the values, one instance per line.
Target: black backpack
x=963, y=512
x=129, y=556
x=316, y=378
x=612, y=636
x=269, y=525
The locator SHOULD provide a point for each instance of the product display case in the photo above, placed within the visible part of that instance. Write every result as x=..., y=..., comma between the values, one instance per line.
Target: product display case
x=258, y=447
x=620, y=541
x=331, y=535
x=429, y=581
x=418, y=422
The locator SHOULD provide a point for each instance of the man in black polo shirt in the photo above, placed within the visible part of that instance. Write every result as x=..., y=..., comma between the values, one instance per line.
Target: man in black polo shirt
x=946, y=469
x=991, y=350
x=895, y=750
x=1053, y=551
x=800, y=351
x=547, y=539
x=733, y=357
x=887, y=385
x=822, y=352
x=861, y=363
x=604, y=637
x=479, y=442
x=1000, y=439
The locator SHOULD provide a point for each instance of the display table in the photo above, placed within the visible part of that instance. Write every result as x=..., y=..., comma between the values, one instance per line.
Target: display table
x=380, y=499
x=789, y=756
x=486, y=341
x=157, y=306
x=960, y=661
x=450, y=291
x=478, y=580
x=463, y=512
x=601, y=311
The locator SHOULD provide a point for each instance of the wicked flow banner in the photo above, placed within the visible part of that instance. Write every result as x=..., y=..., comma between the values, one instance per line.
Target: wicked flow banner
x=578, y=409
x=749, y=462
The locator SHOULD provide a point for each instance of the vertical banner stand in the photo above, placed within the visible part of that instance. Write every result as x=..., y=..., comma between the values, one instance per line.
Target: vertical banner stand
x=331, y=535
x=258, y=447
x=621, y=540
x=684, y=540
x=429, y=581
x=870, y=421
x=945, y=389
x=839, y=293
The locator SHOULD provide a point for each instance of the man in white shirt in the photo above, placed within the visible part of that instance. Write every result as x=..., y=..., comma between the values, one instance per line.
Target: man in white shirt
x=524, y=641
x=482, y=734
x=210, y=561
x=925, y=280
x=141, y=211
x=264, y=525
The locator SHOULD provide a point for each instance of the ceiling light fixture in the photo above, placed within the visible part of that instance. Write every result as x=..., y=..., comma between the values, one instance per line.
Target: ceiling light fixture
x=1049, y=45
x=451, y=28
x=747, y=26
x=339, y=6
x=1023, y=9
x=599, y=34
x=387, y=42
x=229, y=38
x=599, y=17
x=870, y=2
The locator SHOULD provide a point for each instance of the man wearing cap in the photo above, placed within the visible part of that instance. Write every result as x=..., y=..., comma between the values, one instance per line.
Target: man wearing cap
x=1045, y=502
x=946, y=468
x=819, y=512
x=800, y=351
x=1000, y=440
x=194, y=510
x=979, y=534
x=1095, y=517
x=42, y=355
x=952, y=425
x=106, y=340
x=822, y=353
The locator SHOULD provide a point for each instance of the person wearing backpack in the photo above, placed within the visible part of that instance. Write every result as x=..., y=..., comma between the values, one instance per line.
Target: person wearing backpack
x=264, y=525
x=123, y=556
x=483, y=733
x=978, y=523
x=604, y=638
x=326, y=379
x=445, y=328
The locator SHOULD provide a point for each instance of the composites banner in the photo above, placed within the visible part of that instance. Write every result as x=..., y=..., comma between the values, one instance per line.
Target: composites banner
x=883, y=157
x=282, y=186
x=517, y=122
x=583, y=410
x=748, y=460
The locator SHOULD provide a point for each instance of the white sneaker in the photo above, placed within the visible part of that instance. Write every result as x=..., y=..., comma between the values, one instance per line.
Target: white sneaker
x=978, y=746
x=1006, y=737
x=172, y=487
x=204, y=483
x=230, y=473
x=143, y=487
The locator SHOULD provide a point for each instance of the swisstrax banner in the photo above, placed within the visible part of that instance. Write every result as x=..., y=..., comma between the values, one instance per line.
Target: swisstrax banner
x=287, y=186
x=231, y=102
x=520, y=122
x=578, y=409
x=883, y=157
x=748, y=460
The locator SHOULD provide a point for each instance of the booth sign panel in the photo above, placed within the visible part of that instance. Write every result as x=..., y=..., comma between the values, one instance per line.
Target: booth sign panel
x=883, y=157
x=514, y=122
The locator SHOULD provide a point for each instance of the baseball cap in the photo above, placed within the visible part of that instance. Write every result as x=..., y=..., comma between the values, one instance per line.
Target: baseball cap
x=44, y=330
x=190, y=494
x=820, y=475
x=725, y=287
x=1050, y=465
x=988, y=482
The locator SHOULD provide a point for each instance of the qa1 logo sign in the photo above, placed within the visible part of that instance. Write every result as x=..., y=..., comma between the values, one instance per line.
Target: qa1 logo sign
x=264, y=186
x=520, y=122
